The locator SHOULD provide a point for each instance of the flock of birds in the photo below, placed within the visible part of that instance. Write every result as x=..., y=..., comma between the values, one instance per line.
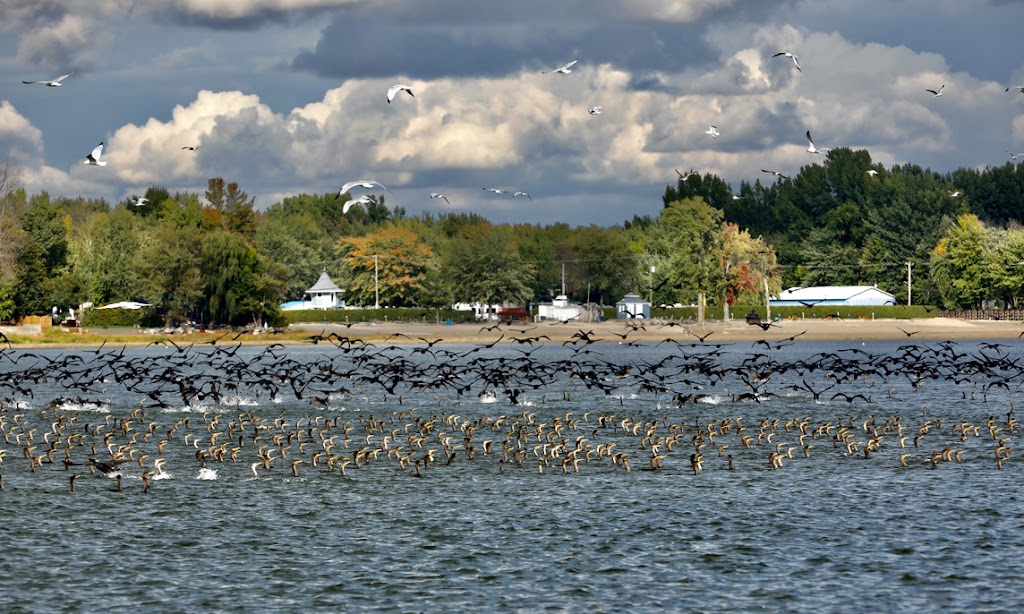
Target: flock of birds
x=94, y=157
x=568, y=410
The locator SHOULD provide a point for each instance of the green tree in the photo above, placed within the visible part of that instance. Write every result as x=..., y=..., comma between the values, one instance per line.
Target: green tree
x=42, y=256
x=234, y=206
x=103, y=254
x=960, y=264
x=168, y=266
x=609, y=264
x=13, y=203
x=685, y=244
x=484, y=266
x=300, y=246
x=827, y=262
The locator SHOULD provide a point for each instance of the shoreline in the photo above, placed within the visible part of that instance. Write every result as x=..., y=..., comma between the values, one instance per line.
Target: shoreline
x=610, y=331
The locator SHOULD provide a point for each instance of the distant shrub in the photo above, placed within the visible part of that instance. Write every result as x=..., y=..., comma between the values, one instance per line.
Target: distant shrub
x=108, y=318
x=737, y=312
x=400, y=314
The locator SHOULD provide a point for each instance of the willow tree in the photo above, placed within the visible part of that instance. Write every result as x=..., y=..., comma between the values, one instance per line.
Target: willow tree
x=230, y=270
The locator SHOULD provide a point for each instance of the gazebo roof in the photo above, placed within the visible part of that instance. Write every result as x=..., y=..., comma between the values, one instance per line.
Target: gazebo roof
x=324, y=284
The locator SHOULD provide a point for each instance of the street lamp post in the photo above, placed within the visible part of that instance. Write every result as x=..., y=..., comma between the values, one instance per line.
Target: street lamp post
x=376, y=285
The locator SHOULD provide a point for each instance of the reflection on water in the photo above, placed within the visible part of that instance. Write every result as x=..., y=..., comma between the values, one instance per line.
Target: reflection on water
x=523, y=506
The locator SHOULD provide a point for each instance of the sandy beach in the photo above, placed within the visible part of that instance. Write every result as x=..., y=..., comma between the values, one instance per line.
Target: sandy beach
x=657, y=330
x=611, y=331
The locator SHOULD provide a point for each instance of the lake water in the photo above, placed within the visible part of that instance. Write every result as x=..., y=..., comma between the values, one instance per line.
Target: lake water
x=836, y=530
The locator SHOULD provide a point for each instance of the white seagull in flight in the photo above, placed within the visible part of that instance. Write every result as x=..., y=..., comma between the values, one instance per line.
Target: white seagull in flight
x=955, y=193
x=792, y=56
x=522, y=194
x=774, y=173
x=496, y=190
x=1014, y=156
x=141, y=200
x=93, y=159
x=564, y=69
x=595, y=110
x=394, y=89
x=690, y=173
x=441, y=196
x=713, y=131
x=872, y=172
x=51, y=82
x=362, y=183
x=810, y=145
x=191, y=147
x=362, y=200
x=1019, y=88
x=936, y=93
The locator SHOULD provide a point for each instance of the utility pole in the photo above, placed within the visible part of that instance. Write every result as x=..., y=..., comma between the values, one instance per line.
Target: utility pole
x=376, y=286
x=650, y=284
x=767, y=300
x=563, y=278
x=909, y=299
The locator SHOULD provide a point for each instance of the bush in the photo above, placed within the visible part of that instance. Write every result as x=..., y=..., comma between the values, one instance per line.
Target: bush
x=399, y=314
x=121, y=318
x=737, y=312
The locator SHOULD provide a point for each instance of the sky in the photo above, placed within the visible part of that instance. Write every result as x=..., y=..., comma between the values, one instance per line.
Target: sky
x=289, y=96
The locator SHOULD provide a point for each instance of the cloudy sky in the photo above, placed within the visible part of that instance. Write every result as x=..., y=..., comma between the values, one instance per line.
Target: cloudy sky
x=288, y=96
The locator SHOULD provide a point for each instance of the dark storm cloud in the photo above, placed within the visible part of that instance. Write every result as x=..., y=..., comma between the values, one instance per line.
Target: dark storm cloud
x=245, y=22
x=353, y=50
x=460, y=38
x=969, y=38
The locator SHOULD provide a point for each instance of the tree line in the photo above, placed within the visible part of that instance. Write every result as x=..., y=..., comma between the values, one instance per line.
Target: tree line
x=214, y=259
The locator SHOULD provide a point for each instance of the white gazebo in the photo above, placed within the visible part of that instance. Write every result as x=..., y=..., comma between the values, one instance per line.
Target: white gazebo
x=324, y=294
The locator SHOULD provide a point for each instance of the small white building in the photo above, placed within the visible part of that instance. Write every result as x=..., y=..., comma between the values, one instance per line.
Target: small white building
x=558, y=309
x=481, y=311
x=833, y=295
x=632, y=306
x=324, y=294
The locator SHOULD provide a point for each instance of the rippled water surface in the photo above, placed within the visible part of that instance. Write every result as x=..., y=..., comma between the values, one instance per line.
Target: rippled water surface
x=836, y=530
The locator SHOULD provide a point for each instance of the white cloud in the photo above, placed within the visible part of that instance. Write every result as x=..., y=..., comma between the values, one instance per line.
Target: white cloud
x=19, y=139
